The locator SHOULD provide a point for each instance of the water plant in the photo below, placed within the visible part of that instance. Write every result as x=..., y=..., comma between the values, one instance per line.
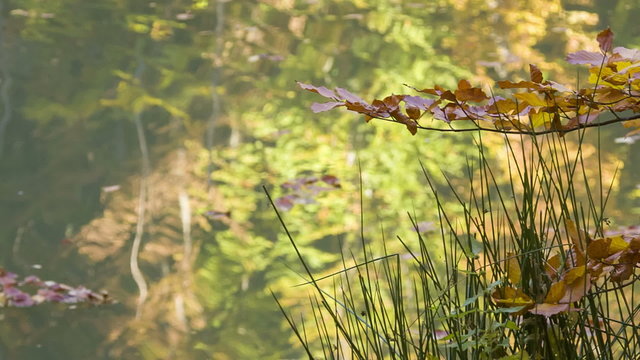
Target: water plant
x=530, y=269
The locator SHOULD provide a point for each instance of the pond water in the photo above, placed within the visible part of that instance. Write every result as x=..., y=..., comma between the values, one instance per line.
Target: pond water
x=136, y=136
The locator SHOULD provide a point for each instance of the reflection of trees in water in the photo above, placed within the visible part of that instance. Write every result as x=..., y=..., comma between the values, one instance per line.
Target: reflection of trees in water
x=74, y=90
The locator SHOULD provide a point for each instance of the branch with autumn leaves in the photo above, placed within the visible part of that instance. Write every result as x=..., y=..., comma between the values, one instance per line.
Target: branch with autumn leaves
x=541, y=107
x=572, y=272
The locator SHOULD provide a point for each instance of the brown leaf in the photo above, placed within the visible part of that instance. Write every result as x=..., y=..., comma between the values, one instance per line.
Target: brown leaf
x=413, y=112
x=392, y=102
x=464, y=84
x=506, y=84
x=535, y=74
x=605, y=39
x=412, y=126
x=471, y=94
x=598, y=248
x=624, y=269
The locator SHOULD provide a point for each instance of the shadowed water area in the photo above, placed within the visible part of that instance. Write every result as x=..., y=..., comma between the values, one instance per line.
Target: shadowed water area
x=136, y=136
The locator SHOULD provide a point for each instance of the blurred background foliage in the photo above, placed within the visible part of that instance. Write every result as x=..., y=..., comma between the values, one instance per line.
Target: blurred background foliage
x=195, y=102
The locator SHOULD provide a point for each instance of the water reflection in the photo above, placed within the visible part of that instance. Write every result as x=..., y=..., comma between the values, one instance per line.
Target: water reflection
x=220, y=115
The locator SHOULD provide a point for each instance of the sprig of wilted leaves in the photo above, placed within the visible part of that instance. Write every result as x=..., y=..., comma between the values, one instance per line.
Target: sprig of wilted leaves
x=541, y=106
x=572, y=273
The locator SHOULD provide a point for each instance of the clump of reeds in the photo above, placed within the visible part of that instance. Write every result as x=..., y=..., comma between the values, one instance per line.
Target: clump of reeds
x=489, y=287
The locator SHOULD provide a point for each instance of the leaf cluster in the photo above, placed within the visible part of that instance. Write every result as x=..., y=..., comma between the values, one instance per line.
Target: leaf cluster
x=540, y=106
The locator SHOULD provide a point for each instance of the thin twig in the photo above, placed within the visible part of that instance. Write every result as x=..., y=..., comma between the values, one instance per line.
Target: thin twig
x=523, y=132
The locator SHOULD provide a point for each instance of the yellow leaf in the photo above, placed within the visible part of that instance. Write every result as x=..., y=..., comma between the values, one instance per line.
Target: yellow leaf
x=556, y=292
x=617, y=244
x=540, y=119
x=574, y=274
x=513, y=268
x=532, y=99
x=553, y=265
x=512, y=297
x=578, y=237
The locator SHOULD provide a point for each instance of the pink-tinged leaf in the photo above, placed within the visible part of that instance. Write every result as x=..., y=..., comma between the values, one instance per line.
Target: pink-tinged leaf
x=418, y=102
x=548, y=310
x=320, y=107
x=440, y=114
x=319, y=90
x=586, y=57
x=632, y=55
x=348, y=96
x=605, y=39
x=588, y=118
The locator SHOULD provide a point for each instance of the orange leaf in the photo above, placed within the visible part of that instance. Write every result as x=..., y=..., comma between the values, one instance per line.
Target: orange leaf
x=471, y=94
x=464, y=84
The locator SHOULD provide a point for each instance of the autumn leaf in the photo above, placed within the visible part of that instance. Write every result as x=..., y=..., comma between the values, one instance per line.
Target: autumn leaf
x=552, y=267
x=512, y=297
x=320, y=107
x=548, y=310
x=513, y=268
x=506, y=84
x=577, y=283
x=605, y=39
x=586, y=57
x=578, y=237
x=348, y=96
x=535, y=74
x=319, y=90
x=532, y=99
x=556, y=292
